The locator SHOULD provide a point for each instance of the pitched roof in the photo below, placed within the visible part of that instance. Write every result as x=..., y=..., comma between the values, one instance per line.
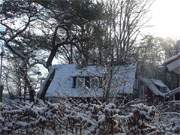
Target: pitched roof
x=155, y=86
x=61, y=85
x=173, y=58
x=173, y=64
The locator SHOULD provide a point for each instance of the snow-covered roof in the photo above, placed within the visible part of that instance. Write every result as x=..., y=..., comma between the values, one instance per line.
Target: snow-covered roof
x=61, y=85
x=177, y=56
x=158, y=82
x=173, y=63
x=123, y=79
x=153, y=85
x=89, y=71
x=173, y=92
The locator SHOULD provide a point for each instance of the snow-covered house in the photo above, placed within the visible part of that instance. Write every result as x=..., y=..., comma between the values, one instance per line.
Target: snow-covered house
x=153, y=90
x=72, y=81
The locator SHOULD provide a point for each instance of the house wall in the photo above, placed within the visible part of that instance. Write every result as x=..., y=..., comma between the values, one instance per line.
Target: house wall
x=171, y=79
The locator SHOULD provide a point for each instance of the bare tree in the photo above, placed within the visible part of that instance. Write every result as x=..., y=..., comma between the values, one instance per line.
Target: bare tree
x=123, y=23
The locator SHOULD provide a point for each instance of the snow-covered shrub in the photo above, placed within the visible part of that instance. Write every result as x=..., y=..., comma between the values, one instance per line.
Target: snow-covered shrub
x=23, y=118
x=74, y=117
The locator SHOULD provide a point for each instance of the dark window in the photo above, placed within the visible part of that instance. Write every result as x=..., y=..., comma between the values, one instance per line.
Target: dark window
x=177, y=96
x=74, y=82
x=87, y=81
x=100, y=82
x=93, y=82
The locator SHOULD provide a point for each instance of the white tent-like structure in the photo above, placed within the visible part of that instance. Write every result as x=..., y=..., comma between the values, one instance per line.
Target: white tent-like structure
x=72, y=81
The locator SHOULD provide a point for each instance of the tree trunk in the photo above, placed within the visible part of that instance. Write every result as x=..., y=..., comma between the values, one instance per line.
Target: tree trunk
x=51, y=56
x=30, y=89
x=71, y=54
x=25, y=90
x=46, y=85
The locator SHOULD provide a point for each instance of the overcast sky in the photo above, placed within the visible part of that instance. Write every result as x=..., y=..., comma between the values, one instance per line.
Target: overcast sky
x=165, y=19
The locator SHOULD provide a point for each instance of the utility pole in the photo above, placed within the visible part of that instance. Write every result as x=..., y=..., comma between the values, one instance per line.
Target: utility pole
x=1, y=84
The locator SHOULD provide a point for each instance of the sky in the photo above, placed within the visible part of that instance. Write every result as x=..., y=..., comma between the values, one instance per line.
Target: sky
x=164, y=19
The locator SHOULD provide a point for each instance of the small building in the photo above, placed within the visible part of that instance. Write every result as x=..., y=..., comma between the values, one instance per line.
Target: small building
x=152, y=90
x=172, y=66
x=72, y=81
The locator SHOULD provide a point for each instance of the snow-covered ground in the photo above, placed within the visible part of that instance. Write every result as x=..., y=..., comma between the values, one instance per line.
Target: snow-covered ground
x=74, y=117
